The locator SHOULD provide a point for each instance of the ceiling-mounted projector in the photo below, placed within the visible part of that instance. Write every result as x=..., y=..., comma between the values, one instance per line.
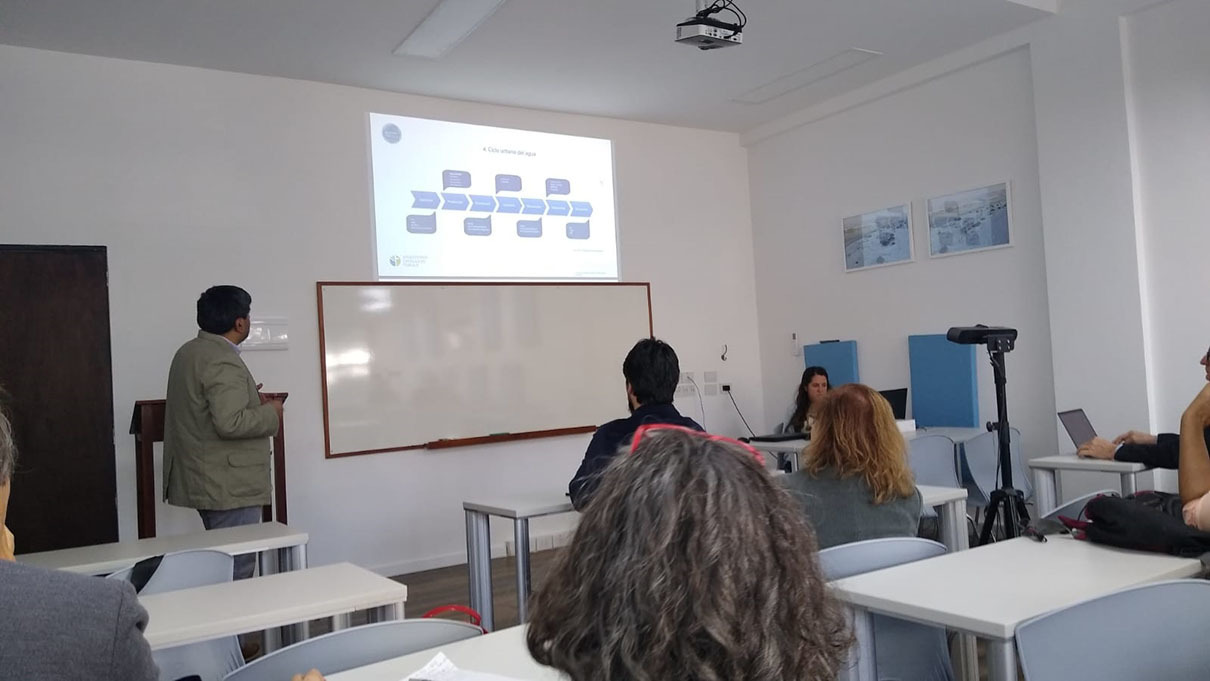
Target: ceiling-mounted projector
x=709, y=34
x=706, y=32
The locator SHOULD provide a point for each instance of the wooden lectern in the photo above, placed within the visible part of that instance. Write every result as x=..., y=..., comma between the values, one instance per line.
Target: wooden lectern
x=147, y=426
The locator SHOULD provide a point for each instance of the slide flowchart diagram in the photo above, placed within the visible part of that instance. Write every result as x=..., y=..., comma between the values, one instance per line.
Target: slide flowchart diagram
x=422, y=223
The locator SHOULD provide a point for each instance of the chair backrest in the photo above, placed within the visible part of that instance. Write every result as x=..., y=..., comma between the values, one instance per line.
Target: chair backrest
x=904, y=650
x=1154, y=631
x=355, y=647
x=860, y=557
x=934, y=461
x=185, y=570
x=1072, y=508
x=210, y=660
x=980, y=457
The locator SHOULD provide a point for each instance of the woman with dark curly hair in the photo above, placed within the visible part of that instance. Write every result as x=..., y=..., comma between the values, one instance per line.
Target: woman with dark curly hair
x=690, y=564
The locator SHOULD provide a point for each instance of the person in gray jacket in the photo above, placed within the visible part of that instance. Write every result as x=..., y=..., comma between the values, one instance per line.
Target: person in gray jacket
x=856, y=483
x=59, y=626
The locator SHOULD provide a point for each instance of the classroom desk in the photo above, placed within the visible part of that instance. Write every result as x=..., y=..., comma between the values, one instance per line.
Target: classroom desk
x=479, y=546
x=958, y=435
x=207, y=612
x=988, y=591
x=501, y=652
x=102, y=559
x=1046, y=476
x=950, y=503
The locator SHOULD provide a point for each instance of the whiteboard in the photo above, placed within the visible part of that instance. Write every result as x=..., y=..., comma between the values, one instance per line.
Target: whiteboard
x=408, y=365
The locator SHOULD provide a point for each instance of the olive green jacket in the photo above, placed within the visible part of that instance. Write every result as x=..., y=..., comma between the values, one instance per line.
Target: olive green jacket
x=216, y=431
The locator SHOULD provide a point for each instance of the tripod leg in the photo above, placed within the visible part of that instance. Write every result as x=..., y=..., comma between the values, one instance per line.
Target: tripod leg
x=989, y=518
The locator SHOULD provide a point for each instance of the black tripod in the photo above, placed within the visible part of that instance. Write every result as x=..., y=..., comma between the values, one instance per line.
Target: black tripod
x=1006, y=501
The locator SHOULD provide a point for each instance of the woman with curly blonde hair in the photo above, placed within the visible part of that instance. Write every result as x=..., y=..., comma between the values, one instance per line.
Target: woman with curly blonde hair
x=856, y=483
x=689, y=564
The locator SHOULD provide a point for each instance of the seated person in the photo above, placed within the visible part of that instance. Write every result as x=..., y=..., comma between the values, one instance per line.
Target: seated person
x=63, y=626
x=855, y=483
x=1194, y=471
x=652, y=372
x=813, y=386
x=1154, y=451
x=689, y=563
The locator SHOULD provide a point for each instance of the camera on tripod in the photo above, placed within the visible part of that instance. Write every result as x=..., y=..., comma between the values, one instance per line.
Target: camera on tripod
x=1006, y=501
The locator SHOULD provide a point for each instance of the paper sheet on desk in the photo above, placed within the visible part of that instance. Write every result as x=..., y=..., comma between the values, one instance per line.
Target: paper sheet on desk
x=441, y=669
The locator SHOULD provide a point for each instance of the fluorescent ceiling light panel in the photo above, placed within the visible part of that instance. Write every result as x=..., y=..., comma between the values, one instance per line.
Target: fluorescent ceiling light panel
x=806, y=76
x=450, y=22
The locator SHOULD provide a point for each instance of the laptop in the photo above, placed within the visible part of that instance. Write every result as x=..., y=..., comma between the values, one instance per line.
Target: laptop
x=1077, y=425
x=898, y=400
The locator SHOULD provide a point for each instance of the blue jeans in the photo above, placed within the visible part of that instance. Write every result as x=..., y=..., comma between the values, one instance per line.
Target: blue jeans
x=245, y=565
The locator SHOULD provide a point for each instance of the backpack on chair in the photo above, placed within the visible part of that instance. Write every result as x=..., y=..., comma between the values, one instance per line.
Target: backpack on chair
x=1148, y=521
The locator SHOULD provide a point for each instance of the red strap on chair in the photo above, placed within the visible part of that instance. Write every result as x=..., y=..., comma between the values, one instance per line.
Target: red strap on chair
x=474, y=616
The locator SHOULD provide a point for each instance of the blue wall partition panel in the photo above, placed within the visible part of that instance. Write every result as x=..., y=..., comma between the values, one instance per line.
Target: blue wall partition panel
x=839, y=358
x=945, y=387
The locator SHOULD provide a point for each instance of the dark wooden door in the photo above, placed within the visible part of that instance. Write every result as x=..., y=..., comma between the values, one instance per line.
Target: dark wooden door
x=55, y=366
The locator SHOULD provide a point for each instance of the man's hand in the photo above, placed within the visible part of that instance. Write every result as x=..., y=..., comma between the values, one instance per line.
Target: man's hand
x=277, y=407
x=1097, y=448
x=312, y=675
x=263, y=399
x=1135, y=437
x=1198, y=410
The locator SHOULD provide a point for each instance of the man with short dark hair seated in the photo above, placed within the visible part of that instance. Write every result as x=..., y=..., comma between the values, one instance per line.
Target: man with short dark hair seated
x=652, y=372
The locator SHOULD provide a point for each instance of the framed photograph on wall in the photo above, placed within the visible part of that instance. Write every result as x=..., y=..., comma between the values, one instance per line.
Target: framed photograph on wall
x=972, y=220
x=878, y=238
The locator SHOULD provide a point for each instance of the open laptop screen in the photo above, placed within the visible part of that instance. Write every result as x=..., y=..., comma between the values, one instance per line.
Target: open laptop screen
x=1077, y=425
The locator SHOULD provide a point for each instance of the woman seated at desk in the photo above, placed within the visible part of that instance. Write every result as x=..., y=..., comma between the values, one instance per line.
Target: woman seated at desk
x=811, y=389
x=689, y=563
x=855, y=483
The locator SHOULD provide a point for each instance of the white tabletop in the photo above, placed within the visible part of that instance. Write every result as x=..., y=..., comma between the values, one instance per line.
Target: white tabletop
x=522, y=506
x=192, y=615
x=936, y=496
x=105, y=558
x=783, y=446
x=502, y=652
x=989, y=590
x=958, y=435
x=1071, y=462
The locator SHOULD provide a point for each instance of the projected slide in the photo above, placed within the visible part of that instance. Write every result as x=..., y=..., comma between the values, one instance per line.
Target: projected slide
x=453, y=200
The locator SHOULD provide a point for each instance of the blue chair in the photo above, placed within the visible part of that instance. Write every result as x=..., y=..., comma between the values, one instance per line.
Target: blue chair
x=356, y=647
x=209, y=660
x=980, y=462
x=1072, y=508
x=904, y=650
x=1155, y=631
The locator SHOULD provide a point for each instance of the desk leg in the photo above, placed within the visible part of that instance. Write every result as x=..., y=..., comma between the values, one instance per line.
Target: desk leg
x=1128, y=484
x=1001, y=660
x=865, y=667
x=953, y=525
x=1045, y=496
x=479, y=566
x=521, y=545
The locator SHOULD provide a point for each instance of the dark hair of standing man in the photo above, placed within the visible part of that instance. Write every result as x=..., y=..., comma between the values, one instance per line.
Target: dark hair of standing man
x=219, y=306
x=652, y=370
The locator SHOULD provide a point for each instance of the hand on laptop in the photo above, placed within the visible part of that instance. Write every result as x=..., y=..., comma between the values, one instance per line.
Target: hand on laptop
x=1097, y=448
x=1135, y=437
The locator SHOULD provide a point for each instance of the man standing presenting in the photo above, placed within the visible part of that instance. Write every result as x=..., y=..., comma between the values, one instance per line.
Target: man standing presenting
x=652, y=371
x=216, y=423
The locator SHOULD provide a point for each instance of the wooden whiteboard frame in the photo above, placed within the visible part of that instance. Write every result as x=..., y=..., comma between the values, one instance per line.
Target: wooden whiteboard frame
x=455, y=442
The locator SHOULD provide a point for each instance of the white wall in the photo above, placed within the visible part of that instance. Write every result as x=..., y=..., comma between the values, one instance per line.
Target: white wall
x=1169, y=66
x=1168, y=74
x=970, y=128
x=194, y=177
